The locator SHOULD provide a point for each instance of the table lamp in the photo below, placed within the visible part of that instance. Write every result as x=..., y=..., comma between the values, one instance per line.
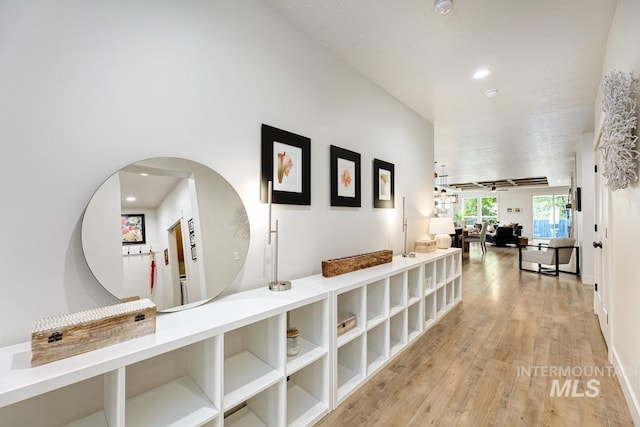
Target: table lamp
x=442, y=228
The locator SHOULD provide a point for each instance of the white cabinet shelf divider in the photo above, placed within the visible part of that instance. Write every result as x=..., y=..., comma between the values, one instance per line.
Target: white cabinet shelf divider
x=244, y=418
x=398, y=290
x=415, y=284
x=245, y=375
x=179, y=402
x=377, y=348
x=308, y=353
x=377, y=302
x=308, y=394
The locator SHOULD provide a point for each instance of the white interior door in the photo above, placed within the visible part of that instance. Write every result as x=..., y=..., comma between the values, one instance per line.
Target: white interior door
x=602, y=274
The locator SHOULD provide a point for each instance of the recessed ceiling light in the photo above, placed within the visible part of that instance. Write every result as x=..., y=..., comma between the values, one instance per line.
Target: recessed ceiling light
x=144, y=174
x=491, y=93
x=131, y=199
x=481, y=73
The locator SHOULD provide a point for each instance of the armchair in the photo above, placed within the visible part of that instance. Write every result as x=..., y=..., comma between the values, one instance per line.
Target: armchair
x=556, y=253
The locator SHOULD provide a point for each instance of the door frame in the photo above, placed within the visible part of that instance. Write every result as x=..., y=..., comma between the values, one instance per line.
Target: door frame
x=602, y=271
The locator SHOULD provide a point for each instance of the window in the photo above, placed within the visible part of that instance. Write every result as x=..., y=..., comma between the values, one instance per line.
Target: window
x=550, y=217
x=489, y=210
x=480, y=209
x=469, y=211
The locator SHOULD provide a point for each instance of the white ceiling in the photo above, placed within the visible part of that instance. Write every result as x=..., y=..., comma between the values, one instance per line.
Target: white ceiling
x=546, y=58
x=149, y=191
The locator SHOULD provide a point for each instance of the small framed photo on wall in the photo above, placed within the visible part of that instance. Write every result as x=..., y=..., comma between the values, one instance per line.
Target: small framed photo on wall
x=345, y=177
x=286, y=162
x=383, y=184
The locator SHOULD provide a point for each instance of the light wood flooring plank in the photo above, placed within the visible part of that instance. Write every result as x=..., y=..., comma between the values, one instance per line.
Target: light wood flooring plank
x=470, y=368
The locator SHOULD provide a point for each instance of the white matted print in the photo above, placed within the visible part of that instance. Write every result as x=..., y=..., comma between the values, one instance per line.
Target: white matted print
x=346, y=178
x=287, y=168
x=384, y=184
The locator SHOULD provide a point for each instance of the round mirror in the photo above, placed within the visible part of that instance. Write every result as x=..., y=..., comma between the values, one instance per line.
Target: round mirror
x=168, y=229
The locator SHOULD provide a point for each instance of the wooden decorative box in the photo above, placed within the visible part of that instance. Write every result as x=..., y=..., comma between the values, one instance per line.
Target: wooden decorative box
x=346, y=322
x=59, y=337
x=425, y=246
x=334, y=267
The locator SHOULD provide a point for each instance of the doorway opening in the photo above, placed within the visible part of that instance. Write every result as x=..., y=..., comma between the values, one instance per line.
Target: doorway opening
x=179, y=271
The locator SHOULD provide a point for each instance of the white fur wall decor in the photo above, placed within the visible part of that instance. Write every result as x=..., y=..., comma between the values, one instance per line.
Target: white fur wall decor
x=618, y=141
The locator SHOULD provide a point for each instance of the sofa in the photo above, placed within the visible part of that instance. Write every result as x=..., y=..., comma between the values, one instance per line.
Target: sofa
x=505, y=235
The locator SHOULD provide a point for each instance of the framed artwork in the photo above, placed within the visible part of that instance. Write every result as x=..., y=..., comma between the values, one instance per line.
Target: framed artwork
x=383, y=184
x=192, y=239
x=194, y=254
x=345, y=177
x=191, y=228
x=286, y=162
x=132, y=228
x=166, y=257
x=517, y=210
x=509, y=210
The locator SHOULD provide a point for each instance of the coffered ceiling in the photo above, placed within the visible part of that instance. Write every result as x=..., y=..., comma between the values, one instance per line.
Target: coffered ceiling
x=545, y=56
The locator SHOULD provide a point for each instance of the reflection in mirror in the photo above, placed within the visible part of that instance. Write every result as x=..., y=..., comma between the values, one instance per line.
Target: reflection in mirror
x=168, y=229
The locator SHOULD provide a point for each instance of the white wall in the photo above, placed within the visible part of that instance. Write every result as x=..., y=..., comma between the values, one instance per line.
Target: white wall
x=623, y=53
x=515, y=198
x=585, y=219
x=89, y=87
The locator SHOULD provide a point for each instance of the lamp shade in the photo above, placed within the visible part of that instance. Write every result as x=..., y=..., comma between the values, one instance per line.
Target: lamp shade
x=442, y=228
x=441, y=225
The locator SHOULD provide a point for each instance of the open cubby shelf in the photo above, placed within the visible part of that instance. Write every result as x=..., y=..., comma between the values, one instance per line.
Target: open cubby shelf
x=230, y=356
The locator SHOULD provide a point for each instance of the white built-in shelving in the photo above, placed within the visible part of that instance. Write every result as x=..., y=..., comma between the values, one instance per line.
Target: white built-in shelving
x=394, y=304
x=225, y=363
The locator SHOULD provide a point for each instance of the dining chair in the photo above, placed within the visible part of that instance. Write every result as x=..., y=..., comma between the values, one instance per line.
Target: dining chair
x=479, y=238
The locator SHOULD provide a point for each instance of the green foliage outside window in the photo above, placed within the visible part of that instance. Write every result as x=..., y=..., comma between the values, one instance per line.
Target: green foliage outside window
x=478, y=210
x=470, y=211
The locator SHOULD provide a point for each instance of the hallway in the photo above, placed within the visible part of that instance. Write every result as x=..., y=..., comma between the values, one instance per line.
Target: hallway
x=491, y=361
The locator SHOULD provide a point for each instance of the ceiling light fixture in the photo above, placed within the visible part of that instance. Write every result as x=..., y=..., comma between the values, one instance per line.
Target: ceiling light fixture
x=144, y=174
x=131, y=199
x=481, y=73
x=442, y=7
x=491, y=93
x=442, y=197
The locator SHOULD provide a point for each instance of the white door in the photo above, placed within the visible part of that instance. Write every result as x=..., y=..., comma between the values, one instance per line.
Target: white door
x=602, y=274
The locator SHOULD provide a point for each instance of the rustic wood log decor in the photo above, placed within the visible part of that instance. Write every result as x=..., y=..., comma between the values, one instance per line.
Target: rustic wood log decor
x=334, y=267
x=58, y=337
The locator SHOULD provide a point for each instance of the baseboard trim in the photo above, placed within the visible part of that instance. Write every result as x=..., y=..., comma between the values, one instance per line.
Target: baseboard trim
x=588, y=280
x=627, y=390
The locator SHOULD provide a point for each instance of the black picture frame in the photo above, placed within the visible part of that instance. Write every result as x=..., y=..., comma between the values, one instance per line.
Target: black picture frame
x=579, y=199
x=194, y=254
x=345, y=177
x=383, y=189
x=291, y=154
x=191, y=226
x=132, y=228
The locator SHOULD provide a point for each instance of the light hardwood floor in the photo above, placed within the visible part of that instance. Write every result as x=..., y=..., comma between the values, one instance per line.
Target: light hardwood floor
x=467, y=370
